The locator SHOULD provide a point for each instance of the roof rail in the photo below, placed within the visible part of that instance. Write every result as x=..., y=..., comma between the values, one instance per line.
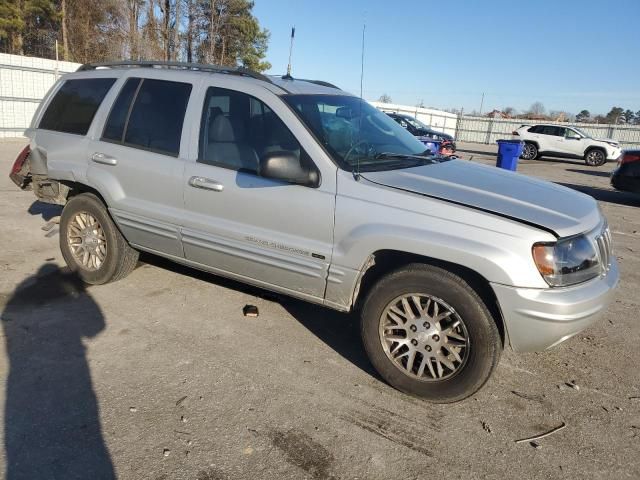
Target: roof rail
x=179, y=66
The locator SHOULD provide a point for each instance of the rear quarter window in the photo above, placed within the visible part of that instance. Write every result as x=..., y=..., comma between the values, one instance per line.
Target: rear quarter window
x=75, y=104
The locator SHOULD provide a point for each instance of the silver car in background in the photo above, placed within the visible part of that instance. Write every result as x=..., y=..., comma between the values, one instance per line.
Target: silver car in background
x=303, y=189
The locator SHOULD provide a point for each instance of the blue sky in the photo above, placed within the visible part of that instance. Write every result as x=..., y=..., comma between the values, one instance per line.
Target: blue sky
x=568, y=54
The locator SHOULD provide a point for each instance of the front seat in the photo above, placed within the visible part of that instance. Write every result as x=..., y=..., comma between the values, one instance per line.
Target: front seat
x=227, y=145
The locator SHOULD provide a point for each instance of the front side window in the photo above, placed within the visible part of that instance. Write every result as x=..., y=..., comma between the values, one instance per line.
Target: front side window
x=238, y=130
x=357, y=135
x=572, y=134
x=149, y=114
x=75, y=104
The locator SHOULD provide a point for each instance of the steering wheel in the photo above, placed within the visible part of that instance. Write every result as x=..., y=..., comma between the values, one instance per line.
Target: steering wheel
x=354, y=147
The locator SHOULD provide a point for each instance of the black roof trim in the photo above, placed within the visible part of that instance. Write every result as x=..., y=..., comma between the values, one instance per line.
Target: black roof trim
x=245, y=72
x=322, y=83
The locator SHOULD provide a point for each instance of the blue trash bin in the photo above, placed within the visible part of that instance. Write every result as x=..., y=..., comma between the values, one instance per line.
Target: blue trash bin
x=508, y=153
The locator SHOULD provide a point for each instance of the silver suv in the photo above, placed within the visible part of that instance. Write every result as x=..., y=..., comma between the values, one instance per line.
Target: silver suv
x=303, y=189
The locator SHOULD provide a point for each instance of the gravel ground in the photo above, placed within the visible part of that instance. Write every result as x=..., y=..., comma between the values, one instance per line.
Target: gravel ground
x=160, y=376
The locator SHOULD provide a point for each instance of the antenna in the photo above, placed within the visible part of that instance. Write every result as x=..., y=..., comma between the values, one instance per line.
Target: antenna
x=293, y=34
x=364, y=27
x=356, y=173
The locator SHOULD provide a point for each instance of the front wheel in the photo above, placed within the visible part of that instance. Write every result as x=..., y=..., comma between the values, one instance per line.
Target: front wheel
x=428, y=333
x=595, y=158
x=91, y=244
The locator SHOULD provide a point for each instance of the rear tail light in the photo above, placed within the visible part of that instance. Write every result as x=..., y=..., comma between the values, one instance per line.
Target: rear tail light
x=515, y=132
x=21, y=158
x=630, y=157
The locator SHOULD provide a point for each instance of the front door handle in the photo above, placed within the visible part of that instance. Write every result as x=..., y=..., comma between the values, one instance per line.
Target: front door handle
x=103, y=159
x=206, y=183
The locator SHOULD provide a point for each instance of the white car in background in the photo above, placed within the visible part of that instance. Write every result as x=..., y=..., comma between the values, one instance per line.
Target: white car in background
x=570, y=142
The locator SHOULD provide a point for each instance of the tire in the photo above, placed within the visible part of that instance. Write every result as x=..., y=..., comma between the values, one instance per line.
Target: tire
x=595, y=157
x=529, y=152
x=477, y=329
x=91, y=244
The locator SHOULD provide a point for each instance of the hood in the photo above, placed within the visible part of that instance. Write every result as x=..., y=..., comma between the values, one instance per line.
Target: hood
x=606, y=140
x=552, y=207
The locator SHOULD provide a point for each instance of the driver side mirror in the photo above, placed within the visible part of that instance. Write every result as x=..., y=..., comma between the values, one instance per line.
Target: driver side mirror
x=287, y=167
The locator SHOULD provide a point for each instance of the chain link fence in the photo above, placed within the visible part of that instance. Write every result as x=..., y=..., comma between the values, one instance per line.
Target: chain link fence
x=488, y=130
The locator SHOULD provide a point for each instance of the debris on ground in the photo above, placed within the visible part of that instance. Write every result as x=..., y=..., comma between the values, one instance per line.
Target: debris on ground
x=486, y=427
x=250, y=311
x=542, y=435
x=534, y=444
x=133, y=409
x=166, y=452
x=180, y=400
x=51, y=223
x=572, y=384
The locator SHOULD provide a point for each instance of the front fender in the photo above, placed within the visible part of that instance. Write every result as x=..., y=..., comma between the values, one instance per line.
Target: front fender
x=497, y=248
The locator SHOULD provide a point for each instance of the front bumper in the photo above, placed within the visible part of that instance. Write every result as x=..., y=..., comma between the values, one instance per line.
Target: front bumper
x=613, y=153
x=538, y=319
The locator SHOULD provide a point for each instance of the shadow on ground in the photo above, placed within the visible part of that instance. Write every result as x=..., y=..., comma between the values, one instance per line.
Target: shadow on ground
x=52, y=424
x=593, y=173
x=339, y=331
x=47, y=210
x=605, y=195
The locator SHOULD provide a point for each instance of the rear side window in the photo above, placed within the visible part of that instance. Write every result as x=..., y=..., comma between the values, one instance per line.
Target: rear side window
x=149, y=114
x=114, y=129
x=555, y=131
x=75, y=104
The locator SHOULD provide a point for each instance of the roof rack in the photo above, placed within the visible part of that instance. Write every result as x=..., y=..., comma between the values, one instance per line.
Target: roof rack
x=245, y=72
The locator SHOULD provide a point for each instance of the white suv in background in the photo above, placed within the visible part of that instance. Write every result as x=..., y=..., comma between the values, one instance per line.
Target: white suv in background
x=570, y=142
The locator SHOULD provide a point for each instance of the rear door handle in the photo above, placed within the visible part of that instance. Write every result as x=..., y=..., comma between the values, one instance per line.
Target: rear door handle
x=206, y=184
x=103, y=159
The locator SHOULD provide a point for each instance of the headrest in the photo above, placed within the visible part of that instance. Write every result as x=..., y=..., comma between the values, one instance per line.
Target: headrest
x=224, y=130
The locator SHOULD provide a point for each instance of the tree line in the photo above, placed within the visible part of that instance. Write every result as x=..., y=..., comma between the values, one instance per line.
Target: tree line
x=223, y=32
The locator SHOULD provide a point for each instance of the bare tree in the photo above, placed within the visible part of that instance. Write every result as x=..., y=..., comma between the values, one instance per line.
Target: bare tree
x=537, y=108
x=384, y=98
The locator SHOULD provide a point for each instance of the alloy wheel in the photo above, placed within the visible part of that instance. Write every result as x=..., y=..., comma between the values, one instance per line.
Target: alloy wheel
x=424, y=337
x=87, y=241
x=595, y=158
x=529, y=152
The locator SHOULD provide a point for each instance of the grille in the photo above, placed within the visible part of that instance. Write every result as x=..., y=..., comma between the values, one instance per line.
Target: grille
x=605, y=249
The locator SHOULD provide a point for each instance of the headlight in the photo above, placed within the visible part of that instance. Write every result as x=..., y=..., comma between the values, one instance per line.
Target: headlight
x=567, y=262
x=614, y=144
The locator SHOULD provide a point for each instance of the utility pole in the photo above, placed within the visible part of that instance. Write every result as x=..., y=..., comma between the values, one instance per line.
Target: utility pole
x=481, y=103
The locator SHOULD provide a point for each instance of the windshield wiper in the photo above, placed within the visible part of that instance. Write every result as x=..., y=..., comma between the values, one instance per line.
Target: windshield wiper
x=389, y=155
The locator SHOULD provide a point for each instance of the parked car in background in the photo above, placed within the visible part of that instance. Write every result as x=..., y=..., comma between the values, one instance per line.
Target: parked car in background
x=626, y=176
x=235, y=173
x=568, y=142
x=418, y=129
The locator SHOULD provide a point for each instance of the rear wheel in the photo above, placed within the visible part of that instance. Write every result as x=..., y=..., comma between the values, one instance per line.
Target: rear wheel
x=428, y=333
x=529, y=152
x=91, y=244
x=595, y=158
